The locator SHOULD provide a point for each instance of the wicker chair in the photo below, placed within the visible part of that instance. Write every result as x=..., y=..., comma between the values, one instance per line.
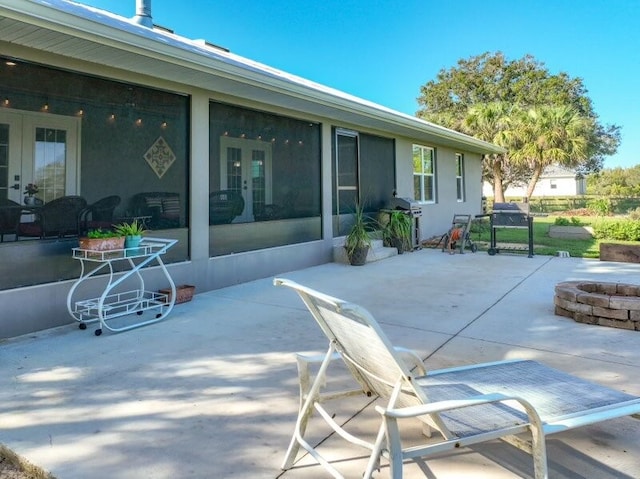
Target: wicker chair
x=59, y=217
x=10, y=212
x=224, y=206
x=99, y=214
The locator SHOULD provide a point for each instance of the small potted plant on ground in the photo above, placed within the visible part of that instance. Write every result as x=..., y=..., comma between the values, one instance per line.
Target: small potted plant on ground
x=358, y=241
x=132, y=233
x=397, y=231
x=102, y=240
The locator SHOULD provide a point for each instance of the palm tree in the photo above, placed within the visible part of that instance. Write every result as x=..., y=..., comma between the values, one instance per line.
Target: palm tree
x=490, y=122
x=547, y=135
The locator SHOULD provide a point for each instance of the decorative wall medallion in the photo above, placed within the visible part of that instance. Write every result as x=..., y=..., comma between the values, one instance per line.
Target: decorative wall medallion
x=160, y=157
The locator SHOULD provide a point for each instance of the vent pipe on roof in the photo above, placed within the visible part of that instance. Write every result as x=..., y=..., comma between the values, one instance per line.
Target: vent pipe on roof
x=143, y=13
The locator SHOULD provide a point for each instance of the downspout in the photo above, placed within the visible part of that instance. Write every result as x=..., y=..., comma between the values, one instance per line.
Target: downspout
x=143, y=13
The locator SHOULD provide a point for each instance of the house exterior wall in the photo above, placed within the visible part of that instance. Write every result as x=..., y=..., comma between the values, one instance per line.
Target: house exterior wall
x=22, y=315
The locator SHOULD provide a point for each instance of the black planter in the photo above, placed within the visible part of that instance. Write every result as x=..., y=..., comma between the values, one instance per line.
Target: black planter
x=397, y=243
x=359, y=256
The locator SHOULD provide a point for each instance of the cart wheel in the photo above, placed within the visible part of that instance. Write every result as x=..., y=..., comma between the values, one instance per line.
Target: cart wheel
x=492, y=251
x=82, y=326
x=98, y=332
x=446, y=242
x=138, y=313
x=474, y=248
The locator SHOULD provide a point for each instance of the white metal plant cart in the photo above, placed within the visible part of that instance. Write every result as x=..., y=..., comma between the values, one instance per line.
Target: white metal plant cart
x=113, y=303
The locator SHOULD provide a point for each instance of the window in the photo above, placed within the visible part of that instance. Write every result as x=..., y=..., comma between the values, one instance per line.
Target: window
x=424, y=178
x=460, y=177
x=552, y=184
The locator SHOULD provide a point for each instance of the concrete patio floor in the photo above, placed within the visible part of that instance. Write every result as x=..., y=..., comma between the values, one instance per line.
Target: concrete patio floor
x=211, y=392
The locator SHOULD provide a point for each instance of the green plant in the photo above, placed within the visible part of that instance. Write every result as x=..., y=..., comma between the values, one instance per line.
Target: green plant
x=134, y=228
x=397, y=230
x=562, y=221
x=358, y=236
x=600, y=206
x=100, y=233
x=616, y=229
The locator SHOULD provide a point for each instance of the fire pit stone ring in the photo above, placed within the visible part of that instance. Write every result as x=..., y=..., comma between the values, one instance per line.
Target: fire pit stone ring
x=616, y=305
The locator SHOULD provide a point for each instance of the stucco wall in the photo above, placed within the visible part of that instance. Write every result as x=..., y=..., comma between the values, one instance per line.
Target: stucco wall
x=437, y=216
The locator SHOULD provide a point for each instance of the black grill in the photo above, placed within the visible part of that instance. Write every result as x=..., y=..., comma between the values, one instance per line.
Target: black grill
x=511, y=215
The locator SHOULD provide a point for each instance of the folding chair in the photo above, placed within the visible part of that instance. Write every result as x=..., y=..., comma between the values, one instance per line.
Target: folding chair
x=518, y=401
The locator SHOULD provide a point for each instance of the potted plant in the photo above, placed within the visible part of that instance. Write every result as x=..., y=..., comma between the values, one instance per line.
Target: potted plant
x=30, y=190
x=102, y=240
x=132, y=232
x=358, y=241
x=397, y=231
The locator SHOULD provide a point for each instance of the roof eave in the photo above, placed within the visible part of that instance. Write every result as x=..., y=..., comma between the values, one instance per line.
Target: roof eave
x=116, y=32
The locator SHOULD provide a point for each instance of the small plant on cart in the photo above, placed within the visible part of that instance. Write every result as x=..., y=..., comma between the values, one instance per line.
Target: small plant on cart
x=134, y=228
x=102, y=233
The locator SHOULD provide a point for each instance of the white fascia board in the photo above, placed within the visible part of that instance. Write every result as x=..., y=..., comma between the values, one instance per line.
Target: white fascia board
x=108, y=29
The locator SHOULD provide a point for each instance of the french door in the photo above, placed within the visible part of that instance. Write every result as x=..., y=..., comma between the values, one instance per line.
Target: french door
x=41, y=149
x=245, y=167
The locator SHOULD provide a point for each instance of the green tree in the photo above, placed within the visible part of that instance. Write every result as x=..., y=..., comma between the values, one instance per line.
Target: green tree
x=492, y=122
x=523, y=84
x=615, y=182
x=549, y=135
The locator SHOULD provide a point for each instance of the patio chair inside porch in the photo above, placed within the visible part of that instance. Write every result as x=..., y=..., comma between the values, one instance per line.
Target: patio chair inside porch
x=99, y=215
x=520, y=401
x=58, y=218
x=10, y=212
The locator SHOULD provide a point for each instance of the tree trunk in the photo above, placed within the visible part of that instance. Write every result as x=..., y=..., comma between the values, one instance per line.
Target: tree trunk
x=537, y=171
x=498, y=191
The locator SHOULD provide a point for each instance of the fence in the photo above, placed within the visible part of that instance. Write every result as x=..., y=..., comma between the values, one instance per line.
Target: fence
x=558, y=204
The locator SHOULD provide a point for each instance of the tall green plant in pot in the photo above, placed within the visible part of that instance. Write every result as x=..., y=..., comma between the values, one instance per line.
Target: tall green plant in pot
x=397, y=231
x=132, y=232
x=358, y=241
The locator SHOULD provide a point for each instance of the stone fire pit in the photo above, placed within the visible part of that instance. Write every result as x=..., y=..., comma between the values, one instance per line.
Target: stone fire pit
x=616, y=305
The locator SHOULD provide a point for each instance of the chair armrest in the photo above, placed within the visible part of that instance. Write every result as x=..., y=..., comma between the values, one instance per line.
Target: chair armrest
x=447, y=405
x=412, y=359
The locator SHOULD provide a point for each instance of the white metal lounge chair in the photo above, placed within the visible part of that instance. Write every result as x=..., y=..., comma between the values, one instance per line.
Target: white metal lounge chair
x=520, y=401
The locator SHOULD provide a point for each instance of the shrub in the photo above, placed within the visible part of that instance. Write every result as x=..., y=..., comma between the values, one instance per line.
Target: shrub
x=616, y=229
x=600, y=206
x=562, y=221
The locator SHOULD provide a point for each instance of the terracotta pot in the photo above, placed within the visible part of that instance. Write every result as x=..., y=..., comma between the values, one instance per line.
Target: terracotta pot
x=102, y=244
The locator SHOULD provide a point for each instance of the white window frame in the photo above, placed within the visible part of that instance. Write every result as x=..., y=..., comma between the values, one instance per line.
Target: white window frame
x=425, y=176
x=460, y=189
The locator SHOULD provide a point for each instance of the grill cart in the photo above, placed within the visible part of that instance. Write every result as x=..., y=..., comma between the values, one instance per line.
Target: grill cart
x=511, y=215
x=460, y=226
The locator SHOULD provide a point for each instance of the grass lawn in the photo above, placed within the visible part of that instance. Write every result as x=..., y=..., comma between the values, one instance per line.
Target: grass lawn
x=543, y=244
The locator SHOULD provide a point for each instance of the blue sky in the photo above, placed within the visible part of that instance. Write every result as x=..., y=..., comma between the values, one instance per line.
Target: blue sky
x=384, y=50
